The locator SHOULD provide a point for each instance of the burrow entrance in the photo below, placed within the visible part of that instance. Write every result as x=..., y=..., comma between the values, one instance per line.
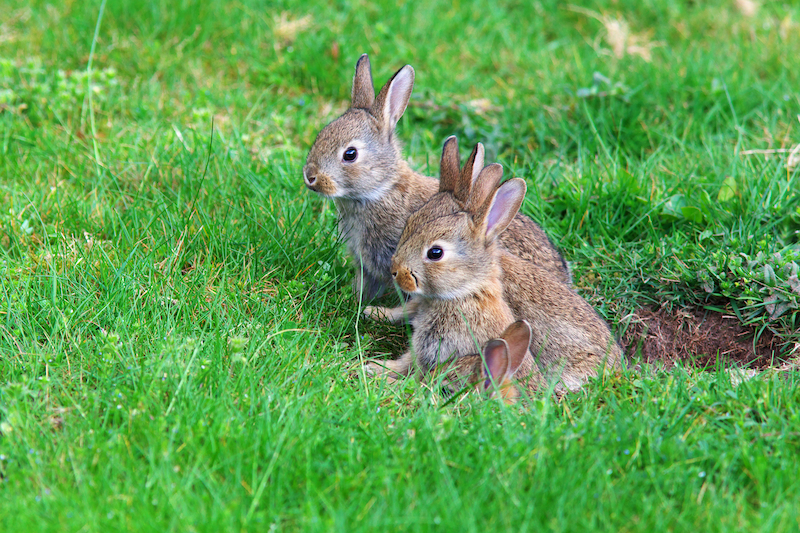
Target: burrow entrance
x=699, y=338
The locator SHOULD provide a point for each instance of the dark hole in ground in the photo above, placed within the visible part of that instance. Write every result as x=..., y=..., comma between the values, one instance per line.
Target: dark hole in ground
x=698, y=338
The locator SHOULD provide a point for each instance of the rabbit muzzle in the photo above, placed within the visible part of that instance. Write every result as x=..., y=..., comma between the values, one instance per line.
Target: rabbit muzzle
x=317, y=181
x=405, y=279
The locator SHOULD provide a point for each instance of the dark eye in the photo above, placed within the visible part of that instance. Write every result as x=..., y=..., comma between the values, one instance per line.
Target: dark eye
x=350, y=154
x=435, y=253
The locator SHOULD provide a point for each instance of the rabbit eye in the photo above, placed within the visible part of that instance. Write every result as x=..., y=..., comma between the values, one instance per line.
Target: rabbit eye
x=435, y=253
x=350, y=154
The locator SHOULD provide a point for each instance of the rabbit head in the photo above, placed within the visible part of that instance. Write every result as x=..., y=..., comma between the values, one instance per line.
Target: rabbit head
x=356, y=156
x=447, y=249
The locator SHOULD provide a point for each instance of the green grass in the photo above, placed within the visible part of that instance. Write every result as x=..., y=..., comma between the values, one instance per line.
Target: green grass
x=179, y=347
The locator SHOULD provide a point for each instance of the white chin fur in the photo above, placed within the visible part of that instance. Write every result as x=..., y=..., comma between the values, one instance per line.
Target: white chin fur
x=455, y=293
x=337, y=194
x=348, y=194
x=372, y=195
x=415, y=292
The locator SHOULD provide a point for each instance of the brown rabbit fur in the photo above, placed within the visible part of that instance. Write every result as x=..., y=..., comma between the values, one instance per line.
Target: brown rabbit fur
x=447, y=261
x=356, y=160
x=569, y=339
x=506, y=363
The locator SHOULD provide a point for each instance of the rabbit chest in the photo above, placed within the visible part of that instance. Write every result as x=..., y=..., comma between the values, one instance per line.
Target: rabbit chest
x=449, y=329
x=371, y=234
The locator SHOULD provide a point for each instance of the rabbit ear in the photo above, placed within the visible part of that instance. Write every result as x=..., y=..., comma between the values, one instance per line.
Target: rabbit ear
x=495, y=366
x=483, y=187
x=475, y=161
x=518, y=339
x=393, y=98
x=450, y=170
x=363, y=93
x=501, y=207
x=471, y=169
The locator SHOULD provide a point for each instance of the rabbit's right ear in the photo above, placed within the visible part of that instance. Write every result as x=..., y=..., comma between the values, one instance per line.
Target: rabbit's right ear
x=391, y=102
x=363, y=93
x=475, y=161
x=469, y=174
x=518, y=340
x=450, y=169
x=496, y=362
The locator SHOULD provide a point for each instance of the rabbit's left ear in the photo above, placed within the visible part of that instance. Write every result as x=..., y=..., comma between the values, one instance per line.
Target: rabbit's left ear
x=501, y=207
x=392, y=100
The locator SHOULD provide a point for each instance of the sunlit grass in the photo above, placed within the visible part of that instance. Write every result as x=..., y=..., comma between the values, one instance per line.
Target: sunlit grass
x=179, y=347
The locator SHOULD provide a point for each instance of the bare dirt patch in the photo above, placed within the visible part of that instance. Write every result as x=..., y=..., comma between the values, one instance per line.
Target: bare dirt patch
x=699, y=338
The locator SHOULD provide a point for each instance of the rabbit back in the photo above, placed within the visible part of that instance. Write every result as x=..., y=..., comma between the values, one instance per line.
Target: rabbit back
x=570, y=341
x=527, y=240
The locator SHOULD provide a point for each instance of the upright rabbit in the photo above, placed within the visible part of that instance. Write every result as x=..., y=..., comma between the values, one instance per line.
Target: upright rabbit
x=447, y=259
x=506, y=363
x=356, y=160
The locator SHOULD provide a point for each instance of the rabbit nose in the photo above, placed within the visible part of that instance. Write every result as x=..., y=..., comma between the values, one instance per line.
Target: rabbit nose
x=405, y=279
x=309, y=176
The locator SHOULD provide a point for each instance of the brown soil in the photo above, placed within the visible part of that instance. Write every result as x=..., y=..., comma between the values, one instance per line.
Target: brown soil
x=698, y=338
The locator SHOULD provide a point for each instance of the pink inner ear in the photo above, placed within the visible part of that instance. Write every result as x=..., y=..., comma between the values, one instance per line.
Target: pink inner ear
x=518, y=339
x=478, y=164
x=496, y=356
x=503, y=201
x=399, y=93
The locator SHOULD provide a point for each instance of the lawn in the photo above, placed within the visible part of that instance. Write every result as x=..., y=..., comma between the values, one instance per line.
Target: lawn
x=180, y=349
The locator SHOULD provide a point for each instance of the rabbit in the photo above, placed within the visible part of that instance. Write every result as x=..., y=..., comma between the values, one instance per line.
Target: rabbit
x=447, y=261
x=447, y=257
x=356, y=160
x=504, y=359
